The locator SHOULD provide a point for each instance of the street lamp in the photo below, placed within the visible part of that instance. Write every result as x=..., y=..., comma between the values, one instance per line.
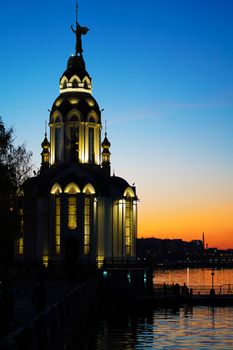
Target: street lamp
x=212, y=291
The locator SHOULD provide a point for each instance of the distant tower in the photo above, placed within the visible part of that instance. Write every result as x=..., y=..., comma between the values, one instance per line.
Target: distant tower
x=203, y=240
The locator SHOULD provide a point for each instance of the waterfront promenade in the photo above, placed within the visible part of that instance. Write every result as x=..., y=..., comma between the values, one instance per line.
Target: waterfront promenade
x=72, y=301
x=54, y=325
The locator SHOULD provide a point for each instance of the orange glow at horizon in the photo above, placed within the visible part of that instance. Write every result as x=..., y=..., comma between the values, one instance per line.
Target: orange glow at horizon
x=188, y=223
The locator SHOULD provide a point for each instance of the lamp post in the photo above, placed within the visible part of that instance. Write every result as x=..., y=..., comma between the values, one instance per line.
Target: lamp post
x=212, y=291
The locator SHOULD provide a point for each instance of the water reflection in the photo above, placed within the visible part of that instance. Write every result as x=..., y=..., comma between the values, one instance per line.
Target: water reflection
x=182, y=328
x=194, y=277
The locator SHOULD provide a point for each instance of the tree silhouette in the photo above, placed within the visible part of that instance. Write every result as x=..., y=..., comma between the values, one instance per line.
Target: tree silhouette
x=15, y=168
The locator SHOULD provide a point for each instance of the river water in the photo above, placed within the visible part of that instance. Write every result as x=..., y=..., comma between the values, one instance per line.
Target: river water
x=185, y=327
x=200, y=277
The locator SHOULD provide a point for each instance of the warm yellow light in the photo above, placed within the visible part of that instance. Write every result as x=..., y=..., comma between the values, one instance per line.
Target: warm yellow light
x=59, y=102
x=129, y=192
x=72, y=188
x=128, y=227
x=100, y=261
x=56, y=189
x=45, y=260
x=58, y=249
x=89, y=189
x=90, y=102
x=20, y=245
x=72, y=212
x=73, y=100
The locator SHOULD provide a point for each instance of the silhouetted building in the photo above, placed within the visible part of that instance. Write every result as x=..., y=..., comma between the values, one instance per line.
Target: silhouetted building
x=75, y=211
x=196, y=247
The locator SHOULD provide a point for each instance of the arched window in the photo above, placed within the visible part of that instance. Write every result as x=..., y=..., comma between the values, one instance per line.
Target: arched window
x=58, y=142
x=129, y=195
x=72, y=189
x=57, y=224
x=88, y=210
x=87, y=225
x=72, y=212
x=91, y=144
x=128, y=226
x=56, y=191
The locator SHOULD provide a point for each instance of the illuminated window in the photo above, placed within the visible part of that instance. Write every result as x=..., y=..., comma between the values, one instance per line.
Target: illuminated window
x=20, y=245
x=72, y=212
x=72, y=189
x=45, y=260
x=87, y=225
x=128, y=227
x=91, y=144
x=56, y=190
x=58, y=144
x=46, y=158
x=88, y=207
x=57, y=225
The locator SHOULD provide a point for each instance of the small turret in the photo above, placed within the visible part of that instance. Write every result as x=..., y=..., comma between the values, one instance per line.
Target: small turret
x=45, y=154
x=106, y=153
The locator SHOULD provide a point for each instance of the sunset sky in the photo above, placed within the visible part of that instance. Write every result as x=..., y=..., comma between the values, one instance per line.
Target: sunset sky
x=163, y=72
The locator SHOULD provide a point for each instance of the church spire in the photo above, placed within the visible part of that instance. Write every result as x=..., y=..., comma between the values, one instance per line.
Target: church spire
x=79, y=31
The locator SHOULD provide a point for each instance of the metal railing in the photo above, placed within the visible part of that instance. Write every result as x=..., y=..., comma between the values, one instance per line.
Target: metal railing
x=166, y=289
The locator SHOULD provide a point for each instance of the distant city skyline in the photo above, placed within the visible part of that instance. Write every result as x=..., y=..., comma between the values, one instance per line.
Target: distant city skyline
x=162, y=71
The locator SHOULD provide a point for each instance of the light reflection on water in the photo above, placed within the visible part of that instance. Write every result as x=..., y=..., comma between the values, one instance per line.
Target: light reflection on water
x=184, y=328
x=194, y=277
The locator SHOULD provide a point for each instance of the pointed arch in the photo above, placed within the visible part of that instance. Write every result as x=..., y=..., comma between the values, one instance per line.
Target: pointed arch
x=86, y=80
x=63, y=83
x=63, y=80
x=92, y=117
x=72, y=188
x=56, y=189
x=129, y=192
x=73, y=114
x=56, y=118
x=89, y=189
x=75, y=78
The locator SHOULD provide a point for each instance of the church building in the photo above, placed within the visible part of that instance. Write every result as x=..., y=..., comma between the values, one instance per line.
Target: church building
x=75, y=211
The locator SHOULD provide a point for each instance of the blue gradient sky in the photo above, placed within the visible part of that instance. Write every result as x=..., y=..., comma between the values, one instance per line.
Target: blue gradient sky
x=162, y=70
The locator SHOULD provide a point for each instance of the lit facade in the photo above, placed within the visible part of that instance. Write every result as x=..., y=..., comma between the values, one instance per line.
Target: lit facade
x=75, y=211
